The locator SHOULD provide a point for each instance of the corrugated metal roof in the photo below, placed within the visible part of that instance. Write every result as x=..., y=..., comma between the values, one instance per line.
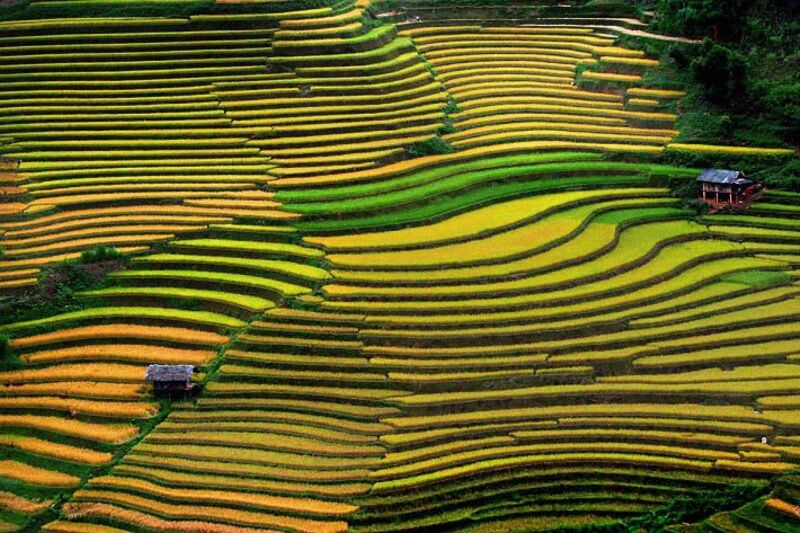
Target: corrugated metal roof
x=726, y=177
x=168, y=373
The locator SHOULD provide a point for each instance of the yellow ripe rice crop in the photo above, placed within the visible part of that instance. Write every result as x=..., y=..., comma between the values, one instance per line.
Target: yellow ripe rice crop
x=506, y=38
x=96, y=231
x=457, y=377
x=534, y=30
x=583, y=114
x=300, y=19
x=737, y=389
x=735, y=150
x=637, y=61
x=219, y=514
x=486, y=92
x=485, y=451
x=53, y=449
x=218, y=476
x=617, y=51
x=459, y=73
x=255, y=456
x=784, y=508
x=11, y=208
x=119, y=330
x=75, y=389
x=138, y=518
x=109, y=221
x=537, y=461
x=83, y=527
x=739, y=353
x=109, y=372
x=470, y=224
x=134, y=353
x=610, y=76
x=411, y=165
x=643, y=102
x=267, y=441
x=530, y=123
x=36, y=476
x=88, y=243
x=561, y=133
x=760, y=468
x=44, y=223
x=41, y=261
x=84, y=407
x=16, y=283
x=245, y=499
x=480, y=98
x=172, y=465
x=113, y=434
x=681, y=439
x=438, y=57
x=695, y=411
x=18, y=504
x=655, y=93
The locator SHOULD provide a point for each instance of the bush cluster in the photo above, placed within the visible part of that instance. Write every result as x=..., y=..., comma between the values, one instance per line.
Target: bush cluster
x=59, y=286
x=98, y=254
x=433, y=146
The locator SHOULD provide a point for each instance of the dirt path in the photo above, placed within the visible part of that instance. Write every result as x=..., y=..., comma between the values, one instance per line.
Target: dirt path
x=628, y=31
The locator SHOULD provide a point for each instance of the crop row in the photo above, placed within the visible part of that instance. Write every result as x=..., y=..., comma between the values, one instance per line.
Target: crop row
x=588, y=242
x=36, y=476
x=665, y=273
x=55, y=450
x=178, y=335
x=105, y=407
x=229, y=479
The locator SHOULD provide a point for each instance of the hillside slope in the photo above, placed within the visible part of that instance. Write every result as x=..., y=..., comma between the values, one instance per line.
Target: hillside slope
x=430, y=273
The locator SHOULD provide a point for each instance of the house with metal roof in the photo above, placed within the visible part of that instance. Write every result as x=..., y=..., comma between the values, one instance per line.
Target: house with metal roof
x=721, y=188
x=170, y=379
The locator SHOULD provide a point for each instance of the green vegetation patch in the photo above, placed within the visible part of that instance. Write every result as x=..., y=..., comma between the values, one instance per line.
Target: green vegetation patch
x=447, y=205
x=197, y=317
x=759, y=278
x=244, y=301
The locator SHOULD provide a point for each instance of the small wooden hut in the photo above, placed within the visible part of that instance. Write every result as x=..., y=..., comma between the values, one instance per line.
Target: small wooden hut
x=720, y=188
x=172, y=380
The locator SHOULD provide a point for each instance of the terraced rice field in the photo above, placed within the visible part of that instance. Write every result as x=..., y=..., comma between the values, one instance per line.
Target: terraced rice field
x=526, y=333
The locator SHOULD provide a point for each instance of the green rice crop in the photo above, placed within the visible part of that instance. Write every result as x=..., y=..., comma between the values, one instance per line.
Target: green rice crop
x=252, y=246
x=407, y=191
x=537, y=461
x=265, y=265
x=355, y=58
x=594, y=237
x=197, y=317
x=504, y=166
x=723, y=389
x=243, y=301
x=257, y=282
x=442, y=205
x=656, y=278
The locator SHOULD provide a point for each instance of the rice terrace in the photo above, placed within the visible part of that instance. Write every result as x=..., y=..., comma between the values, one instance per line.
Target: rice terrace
x=479, y=266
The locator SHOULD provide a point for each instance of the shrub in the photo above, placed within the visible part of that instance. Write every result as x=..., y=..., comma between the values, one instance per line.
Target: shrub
x=57, y=289
x=701, y=18
x=452, y=106
x=98, y=254
x=782, y=100
x=447, y=127
x=5, y=350
x=433, y=146
x=721, y=72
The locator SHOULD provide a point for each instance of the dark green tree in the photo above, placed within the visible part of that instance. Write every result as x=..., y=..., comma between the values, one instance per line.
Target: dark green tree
x=718, y=19
x=722, y=74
